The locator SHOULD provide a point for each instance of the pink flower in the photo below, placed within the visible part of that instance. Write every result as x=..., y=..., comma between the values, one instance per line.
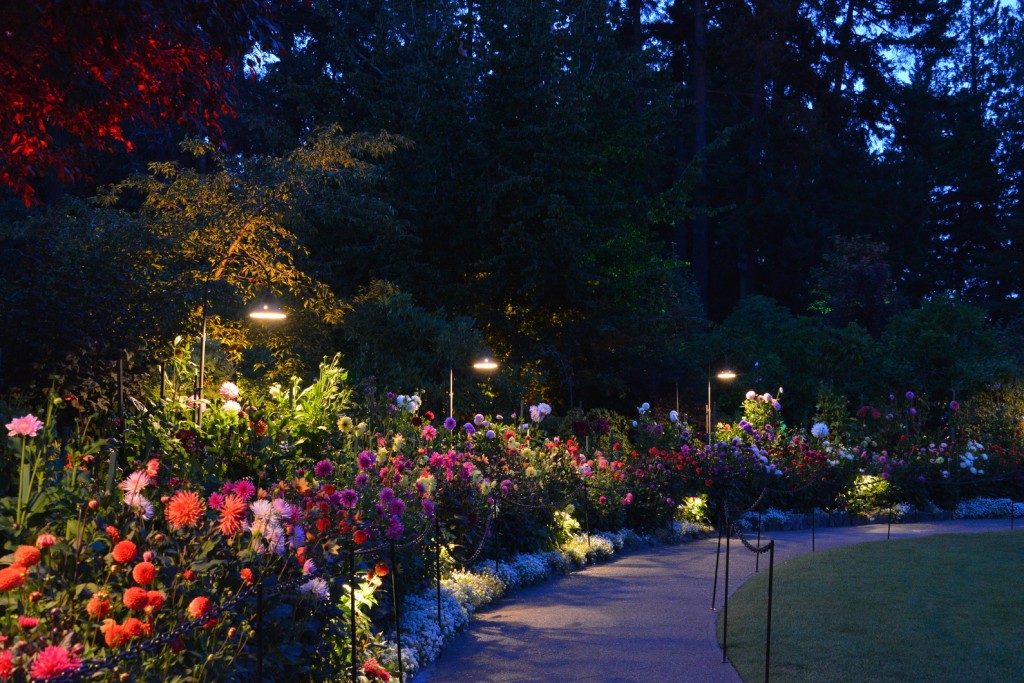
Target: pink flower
x=45, y=541
x=27, y=623
x=229, y=391
x=54, y=661
x=24, y=426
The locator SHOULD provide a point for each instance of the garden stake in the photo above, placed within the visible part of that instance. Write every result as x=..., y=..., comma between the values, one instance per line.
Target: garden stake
x=352, y=613
x=888, y=530
x=768, y=629
x=718, y=554
x=259, y=631
x=437, y=567
x=757, y=556
x=398, y=623
x=725, y=598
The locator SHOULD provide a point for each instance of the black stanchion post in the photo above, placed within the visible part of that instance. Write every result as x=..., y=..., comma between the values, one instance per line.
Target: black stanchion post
x=437, y=566
x=718, y=555
x=768, y=629
x=494, y=529
x=398, y=621
x=888, y=529
x=259, y=632
x=725, y=597
x=352, y=615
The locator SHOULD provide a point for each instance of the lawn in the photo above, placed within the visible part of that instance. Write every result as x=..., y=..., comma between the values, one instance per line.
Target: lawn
x=936, y=609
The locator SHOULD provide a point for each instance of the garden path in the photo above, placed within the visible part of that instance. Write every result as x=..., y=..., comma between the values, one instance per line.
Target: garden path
x=644, y=617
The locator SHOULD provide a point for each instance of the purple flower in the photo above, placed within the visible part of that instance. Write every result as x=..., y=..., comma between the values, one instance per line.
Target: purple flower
x=362, y=479
x=910, y=395
x=628, y=499
x=506, y=486
x=478, y=420
x=470, y=429
x=913, y=411
x=366, y=458
x=323, y=469
x=397, y=506
x=954, y=406
x=349, y=498
x=386, y=496
x=395, y=528
x=450, y=423
x=490, y=434
x=428, y=507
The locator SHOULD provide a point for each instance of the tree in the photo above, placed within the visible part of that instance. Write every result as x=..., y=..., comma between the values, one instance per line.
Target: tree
x=75, y=75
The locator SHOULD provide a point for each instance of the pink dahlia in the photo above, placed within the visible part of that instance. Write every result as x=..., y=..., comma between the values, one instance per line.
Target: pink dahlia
x=53, y=661
x=27, y=425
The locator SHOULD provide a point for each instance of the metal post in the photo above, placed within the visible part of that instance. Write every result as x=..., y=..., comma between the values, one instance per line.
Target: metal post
x=437, y=567
x=768, y=629
x=888, y=530
x=259, y=631
x=352, y=615
x=586, y=510
x=725, y=598
x=451, y=392
x=398, y=622
x=163, y=381
x=718, y=555
x=201, y=379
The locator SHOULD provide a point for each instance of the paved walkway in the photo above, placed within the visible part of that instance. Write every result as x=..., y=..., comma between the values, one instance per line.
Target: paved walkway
x=644, y=617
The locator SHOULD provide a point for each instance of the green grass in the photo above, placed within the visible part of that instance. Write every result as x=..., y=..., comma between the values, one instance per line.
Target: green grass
x=937, y=609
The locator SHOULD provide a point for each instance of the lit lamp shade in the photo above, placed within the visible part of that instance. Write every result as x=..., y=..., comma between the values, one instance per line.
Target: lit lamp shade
x=485, y=364
x=267, y=311
x=726, y=375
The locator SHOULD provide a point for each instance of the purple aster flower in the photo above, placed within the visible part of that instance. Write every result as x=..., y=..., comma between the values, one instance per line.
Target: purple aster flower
x=450, y=423
x=323, y=469
x=349, y=498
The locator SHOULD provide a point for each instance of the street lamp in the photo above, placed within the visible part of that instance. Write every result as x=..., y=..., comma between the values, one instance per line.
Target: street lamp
x=263, y=311
x=725, y=376
x=484, y=364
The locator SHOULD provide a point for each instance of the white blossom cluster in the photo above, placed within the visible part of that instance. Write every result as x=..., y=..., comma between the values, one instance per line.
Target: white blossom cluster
x=973, y=458
x=985, y=508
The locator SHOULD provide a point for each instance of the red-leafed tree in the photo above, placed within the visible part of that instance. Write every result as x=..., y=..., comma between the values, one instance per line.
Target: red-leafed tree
x=75, y=73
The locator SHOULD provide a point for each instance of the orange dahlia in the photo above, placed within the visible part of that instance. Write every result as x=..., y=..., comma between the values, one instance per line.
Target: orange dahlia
x=232, y=515
x=27, y=555
x=124, y=552
x=156, y=601
x=246, y=575
x=133, y=627
x=113, y=633
x=135, y=598
x=199, y=607
x=185, y=508
x=12, y=577
x=144, y=573
x=98, y=606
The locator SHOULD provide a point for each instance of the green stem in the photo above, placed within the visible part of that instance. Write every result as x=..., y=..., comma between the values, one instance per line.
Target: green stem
x=21, y=481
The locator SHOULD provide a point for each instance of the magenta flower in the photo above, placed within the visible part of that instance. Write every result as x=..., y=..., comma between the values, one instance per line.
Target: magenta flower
x=954, y=406
x=428, y=507
x=395, y=528
x=24, y=426
x=429, y=433
x=323, y=469
x=349, y=498
x=628, y=499
x=245, y=489
x=386, y=496
x=53, y=661
x=397, y=506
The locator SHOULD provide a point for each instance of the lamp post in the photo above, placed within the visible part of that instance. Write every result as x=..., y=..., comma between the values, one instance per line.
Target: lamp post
x=725, y=376
x=484, y=364
x=264, y=311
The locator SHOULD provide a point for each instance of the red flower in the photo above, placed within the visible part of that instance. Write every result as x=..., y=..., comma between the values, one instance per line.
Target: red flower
x=374, y=671
x=113, y=633
x=133, y=627
x=199, y=607
x=135, y=598
x=114, y=534
x=98, y=606
x=185, y=508
x=246, y=575
x=359, y=537
x=124, y=551
x=156, y=601
x=12, y=577
x=27, y=555
x=144, y=573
